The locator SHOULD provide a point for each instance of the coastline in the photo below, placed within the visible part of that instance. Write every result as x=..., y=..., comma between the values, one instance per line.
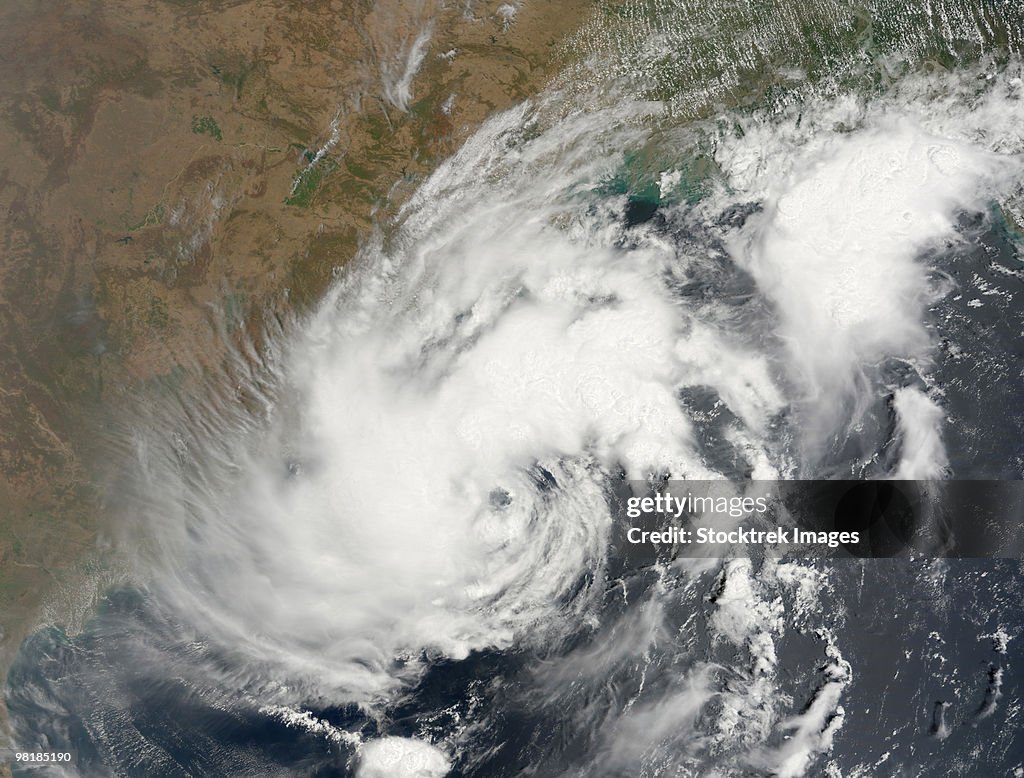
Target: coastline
x=165, y=161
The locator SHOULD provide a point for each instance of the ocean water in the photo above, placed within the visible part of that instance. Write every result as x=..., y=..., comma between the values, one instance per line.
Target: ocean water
x=763, y=241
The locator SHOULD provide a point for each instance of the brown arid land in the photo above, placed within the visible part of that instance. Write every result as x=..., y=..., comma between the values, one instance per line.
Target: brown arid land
x=162, y=159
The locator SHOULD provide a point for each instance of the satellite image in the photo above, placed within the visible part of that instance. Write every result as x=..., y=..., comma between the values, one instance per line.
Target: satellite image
x=485, y=388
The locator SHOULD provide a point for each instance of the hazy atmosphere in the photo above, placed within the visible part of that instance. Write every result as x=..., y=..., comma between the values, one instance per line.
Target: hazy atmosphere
x=336, y=336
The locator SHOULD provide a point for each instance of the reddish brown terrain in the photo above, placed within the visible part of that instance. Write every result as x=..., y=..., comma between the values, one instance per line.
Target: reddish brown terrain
x=155, y=177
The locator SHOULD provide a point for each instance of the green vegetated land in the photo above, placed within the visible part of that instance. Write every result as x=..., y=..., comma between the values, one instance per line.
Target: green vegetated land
x=206, y=125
